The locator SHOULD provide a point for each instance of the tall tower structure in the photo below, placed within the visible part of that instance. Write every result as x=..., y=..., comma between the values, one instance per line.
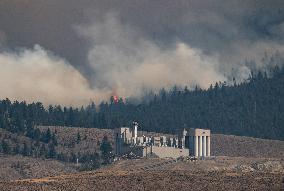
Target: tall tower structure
x=134, y=132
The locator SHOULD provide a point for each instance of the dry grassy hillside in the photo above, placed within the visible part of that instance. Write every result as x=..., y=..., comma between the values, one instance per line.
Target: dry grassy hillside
x=236, y=146
x=164, y=174
x=12, y=139
x=90, y=138
x=222, y=145
x=18, y=167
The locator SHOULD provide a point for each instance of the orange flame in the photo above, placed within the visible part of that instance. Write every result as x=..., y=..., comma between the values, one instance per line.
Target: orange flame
x=115, y=99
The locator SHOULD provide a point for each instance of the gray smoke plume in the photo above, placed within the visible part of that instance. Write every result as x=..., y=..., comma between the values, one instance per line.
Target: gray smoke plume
x=128, y=46
x=126, y=63
x=36, y=75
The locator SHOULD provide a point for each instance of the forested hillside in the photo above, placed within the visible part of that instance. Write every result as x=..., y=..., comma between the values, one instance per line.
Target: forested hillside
x=253, y=108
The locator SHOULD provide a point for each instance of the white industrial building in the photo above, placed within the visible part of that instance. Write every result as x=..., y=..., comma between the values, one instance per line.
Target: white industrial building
x=188, y=142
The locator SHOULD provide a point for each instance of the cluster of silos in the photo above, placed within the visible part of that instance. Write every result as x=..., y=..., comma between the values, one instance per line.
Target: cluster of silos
x=196, y=140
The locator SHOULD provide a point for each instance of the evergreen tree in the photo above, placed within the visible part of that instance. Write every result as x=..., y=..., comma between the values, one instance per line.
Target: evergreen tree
x=78, y=138
x=53, y=139
x=5, y=147
x=26, y=150
x=105, y=149
x=43, y=151
x=51, y=151
x=16, y=149
x=46, y=137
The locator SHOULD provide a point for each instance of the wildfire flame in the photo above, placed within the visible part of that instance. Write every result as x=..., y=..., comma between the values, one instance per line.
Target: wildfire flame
x=115, y=99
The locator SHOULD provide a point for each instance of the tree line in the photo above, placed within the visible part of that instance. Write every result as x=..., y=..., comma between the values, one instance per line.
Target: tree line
x=252, y=108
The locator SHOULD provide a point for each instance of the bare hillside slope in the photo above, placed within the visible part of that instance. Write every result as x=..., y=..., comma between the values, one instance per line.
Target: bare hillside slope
x=222, y=173
x=229, y=145
x=18, y=167
x=222, y=145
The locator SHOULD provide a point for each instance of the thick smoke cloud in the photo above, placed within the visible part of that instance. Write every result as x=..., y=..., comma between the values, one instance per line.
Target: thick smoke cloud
x=128, y=46
x=36, y=75
x=123, y=62
x=126, y=63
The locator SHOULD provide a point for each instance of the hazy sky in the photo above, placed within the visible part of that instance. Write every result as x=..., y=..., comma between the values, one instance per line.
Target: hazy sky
x=71, y=52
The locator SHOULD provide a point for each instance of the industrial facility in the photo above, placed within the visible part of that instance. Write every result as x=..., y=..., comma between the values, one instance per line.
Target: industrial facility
x=187, y=143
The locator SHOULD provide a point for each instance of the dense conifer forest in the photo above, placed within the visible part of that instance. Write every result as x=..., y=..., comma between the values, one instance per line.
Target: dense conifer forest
x=253, y=108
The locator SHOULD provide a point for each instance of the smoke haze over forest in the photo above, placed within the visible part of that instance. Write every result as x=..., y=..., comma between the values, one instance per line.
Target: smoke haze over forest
x=71, y=52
